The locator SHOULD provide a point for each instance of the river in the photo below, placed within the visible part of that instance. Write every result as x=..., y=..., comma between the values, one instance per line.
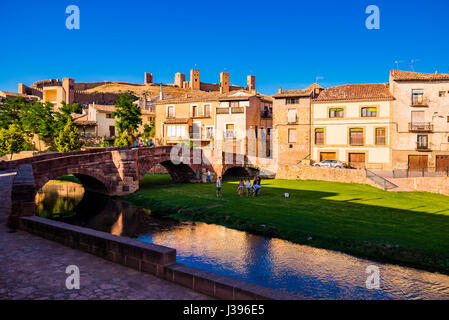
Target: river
x=270, y=262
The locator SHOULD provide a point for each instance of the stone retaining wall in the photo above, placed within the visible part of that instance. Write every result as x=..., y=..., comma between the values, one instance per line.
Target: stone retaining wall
x=304, y=172
x=428, y=184
x=150, y=258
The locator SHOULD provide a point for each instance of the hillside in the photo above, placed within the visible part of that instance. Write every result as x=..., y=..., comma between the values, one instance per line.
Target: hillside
x=151, y=90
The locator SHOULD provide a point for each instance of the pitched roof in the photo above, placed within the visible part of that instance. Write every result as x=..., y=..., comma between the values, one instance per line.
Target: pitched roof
x=81, y=120
x=368, y=91
x=293, y=93
x=408, y=75
x=201, y=96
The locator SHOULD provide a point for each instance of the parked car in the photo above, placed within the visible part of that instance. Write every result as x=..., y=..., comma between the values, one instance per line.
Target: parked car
x=330, y=164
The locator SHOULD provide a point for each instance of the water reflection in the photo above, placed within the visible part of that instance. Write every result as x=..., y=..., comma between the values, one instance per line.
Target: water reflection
x=275, y=263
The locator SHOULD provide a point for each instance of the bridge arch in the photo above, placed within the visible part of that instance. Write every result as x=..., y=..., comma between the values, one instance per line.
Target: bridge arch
x=238, y=171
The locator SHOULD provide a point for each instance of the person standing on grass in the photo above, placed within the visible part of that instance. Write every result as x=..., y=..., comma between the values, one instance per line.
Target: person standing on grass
x=248, y=187
x=256, y=187
x=241, y=186
x=208, y=176
x=219, y=187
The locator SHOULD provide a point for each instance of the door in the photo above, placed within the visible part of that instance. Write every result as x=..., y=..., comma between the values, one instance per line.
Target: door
x=357, y=160
x=442, y=163
x=111, y=131
x=417, y=162
x=328, y=156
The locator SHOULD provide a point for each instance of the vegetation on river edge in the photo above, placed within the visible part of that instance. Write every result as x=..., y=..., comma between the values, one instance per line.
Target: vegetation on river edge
x=403, y=227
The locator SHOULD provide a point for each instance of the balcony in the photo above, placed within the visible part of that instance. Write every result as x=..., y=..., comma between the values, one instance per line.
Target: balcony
x=237, y=110
x=266, y=114
x=420, y=127
x=229, y=134
x=422, y=147
x=420, y=101
x=222, y=110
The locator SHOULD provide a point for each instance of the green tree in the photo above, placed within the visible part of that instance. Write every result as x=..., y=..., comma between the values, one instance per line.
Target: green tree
x=10, y=111
x=38, y=119
x=123, y=140
x=149, y=130
x=68, y=138
x=128, y=114
x=12, y=140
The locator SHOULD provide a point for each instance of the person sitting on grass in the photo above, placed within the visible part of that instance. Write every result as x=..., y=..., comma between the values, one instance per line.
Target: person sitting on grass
x=256, y=187
x=219, y=187
x=241, y=186
x=248, y=187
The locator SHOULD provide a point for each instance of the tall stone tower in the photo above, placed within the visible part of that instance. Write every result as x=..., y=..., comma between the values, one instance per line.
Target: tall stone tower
x=67, y=85
x=195, y=83
x=251, y=83
x=148, y=78
x=224, y=82
x=179, y=79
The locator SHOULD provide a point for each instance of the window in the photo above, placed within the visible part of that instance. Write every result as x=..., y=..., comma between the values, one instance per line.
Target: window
x=380, y=136
x=291, y=116
x=442, y=93
x=319, y=136
x=292, y=135
x=209, y=132
x=195, y=111
x=422, y=142
x=234, y=104
x=229, y=133
x=206, y=110
x=369, y=112
x=356, y=137
x=176, y=131
x=109, y=116
x=417, y=96
x=292, y=101
x=170, y=111
x=336, y=113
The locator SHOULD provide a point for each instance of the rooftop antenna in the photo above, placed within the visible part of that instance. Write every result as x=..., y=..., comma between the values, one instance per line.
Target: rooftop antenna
x=397, y=62
x=412, y=62
x=318, y=78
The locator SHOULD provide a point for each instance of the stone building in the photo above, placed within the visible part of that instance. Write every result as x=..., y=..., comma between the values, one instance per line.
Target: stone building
x=291, y=124
x=420, y=115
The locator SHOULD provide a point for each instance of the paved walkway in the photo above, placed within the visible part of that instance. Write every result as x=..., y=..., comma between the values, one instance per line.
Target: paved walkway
x=34, y=268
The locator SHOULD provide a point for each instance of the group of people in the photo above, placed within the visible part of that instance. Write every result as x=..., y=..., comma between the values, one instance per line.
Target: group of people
x=251, y=189
x=141, y=143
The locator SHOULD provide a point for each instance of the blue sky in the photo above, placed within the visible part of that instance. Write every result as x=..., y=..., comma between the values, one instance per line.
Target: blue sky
x=283, y=43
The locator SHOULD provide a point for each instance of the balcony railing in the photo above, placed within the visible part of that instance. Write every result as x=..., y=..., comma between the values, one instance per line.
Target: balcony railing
x=422, y=147
x=420, y=101
x=222, y=110
x=266, y=114
x=237, y=110
x=356, y=141
x=229, y=134
x=420, y=126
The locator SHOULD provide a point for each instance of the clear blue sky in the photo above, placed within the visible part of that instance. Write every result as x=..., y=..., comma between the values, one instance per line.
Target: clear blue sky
x=284, y=43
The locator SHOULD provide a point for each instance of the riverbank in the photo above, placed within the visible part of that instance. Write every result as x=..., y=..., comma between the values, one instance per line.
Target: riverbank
x=404, y=228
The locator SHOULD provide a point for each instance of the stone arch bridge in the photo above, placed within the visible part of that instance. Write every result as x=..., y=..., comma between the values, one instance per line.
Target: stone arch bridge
x=112, y=171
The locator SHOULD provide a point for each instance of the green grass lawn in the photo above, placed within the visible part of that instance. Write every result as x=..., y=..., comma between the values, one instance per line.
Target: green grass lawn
x=405, y=227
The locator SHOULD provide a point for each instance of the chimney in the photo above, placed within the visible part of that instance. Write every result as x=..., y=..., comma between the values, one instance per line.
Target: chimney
x=224, y=82
x=161, y=93
x=251, y=83
x=280, y=90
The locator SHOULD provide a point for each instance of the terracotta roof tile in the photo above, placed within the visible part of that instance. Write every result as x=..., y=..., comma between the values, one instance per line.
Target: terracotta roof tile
x=293, y=93
x=408, y=75
x=369, y=91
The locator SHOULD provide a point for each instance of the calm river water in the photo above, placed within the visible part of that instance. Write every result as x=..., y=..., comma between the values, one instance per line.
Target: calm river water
x=274, y=263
